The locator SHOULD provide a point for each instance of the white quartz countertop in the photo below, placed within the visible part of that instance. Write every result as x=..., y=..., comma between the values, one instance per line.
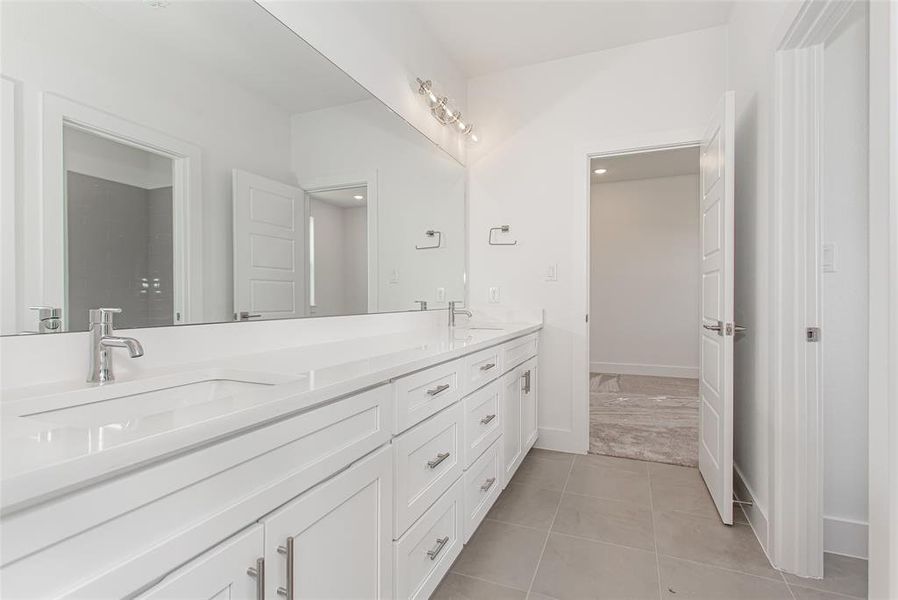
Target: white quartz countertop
x=44, y=455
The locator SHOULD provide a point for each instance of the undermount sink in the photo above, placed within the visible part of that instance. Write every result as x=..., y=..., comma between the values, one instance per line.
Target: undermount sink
x=140, y=399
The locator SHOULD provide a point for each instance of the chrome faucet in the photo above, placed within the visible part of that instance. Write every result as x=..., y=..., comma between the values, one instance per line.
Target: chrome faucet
x=102, y=341
x=456, y=311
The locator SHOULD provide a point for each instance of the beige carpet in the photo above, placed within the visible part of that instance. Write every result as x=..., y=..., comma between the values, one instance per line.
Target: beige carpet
x=646, y=418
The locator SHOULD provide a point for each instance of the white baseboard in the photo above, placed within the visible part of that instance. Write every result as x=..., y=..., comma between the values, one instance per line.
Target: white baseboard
x=560, y=441
x=639, y=369
x=756, y=513
x=845, y=536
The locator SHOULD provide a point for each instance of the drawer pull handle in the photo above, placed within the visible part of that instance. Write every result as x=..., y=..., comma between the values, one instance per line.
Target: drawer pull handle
x=440, y=458
x=526, y=378
x=487, y=484
x=287, y=551
x=487, y=366
x=487, y=419
x=438, y=389
x=441, y=543
x=258, y=573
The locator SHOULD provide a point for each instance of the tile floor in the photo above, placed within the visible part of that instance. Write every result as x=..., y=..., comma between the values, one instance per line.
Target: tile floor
x=642, y=417
x=577, y=527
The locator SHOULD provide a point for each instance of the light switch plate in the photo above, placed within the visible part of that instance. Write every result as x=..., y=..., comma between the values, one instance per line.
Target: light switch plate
x=494, y=295
x=552, y=272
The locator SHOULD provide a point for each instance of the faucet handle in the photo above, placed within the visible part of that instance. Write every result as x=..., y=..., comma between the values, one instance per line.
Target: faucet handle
x=102, y=315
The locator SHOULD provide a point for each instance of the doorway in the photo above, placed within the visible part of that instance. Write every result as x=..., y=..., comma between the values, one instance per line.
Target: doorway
x=644, y=302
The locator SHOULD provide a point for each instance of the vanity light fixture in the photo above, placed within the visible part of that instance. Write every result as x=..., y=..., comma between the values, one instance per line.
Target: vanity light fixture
x=443, y=112
x=600, y=171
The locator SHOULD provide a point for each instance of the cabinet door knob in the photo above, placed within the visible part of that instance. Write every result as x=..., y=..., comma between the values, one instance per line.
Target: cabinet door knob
x=258, y=572
x=287, y=551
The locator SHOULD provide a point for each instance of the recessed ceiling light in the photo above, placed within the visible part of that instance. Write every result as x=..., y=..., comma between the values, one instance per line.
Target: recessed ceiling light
x=358, y=197
x=157, y=3
x=600, y=171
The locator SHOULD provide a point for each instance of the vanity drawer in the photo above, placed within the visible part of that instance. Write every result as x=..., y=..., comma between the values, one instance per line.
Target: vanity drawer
x=426, y=393
x=483, y=421
x=424, y=554
x=481, y=368
x=517, y=351
x=483, y=484
x=427, y=460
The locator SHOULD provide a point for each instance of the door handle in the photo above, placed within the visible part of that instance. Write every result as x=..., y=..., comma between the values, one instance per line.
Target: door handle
x=440, y=458
x=245, y=316
x=287, y=551
x=258, y=573
x=739, y=328
x=438, y=389
x=718, y=327
x=441, y=543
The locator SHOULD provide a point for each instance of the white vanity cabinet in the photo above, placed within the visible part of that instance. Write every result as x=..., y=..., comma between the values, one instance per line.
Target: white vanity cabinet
x=520, y=410
x=334, y=541
x=233, y=569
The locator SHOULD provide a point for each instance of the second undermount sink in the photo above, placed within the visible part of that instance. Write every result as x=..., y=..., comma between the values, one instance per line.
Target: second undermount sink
x=139, y=399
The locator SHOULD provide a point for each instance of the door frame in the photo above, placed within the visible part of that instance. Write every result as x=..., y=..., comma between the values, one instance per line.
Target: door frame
x=368, y=180
x=59, y=112
x=795, y=512
x=583, y=155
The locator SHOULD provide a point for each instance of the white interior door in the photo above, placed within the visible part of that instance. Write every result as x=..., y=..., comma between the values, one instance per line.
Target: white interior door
x=269, y=248
x=715, y=455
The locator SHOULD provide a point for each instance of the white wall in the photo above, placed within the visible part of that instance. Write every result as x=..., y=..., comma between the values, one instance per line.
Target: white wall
x=644, y=277
x=418, y=188
x=754, y=32
x=341, y=259
x=526, y=170
x=383, y=46
x=57, y=52
x=845, y=291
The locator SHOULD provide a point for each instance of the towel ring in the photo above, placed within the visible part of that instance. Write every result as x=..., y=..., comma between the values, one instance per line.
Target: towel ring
x=503, y=229
x=431, y=233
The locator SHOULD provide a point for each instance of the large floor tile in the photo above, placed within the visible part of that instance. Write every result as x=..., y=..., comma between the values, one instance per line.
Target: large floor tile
x=574, y=569
x=541, y=472
x=841, y=575
x=502, y=553
x=803, y=593
x=708, y=541
x=461, y=587
x=680, y=489
x=681, y=579
x=605, y=520
x=525, y=505
x=564, y=457
x=611, y=484
x=615, y=462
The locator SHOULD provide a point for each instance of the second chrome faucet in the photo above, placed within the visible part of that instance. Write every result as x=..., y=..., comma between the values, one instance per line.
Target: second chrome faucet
x=102, y=340
x=456, y=311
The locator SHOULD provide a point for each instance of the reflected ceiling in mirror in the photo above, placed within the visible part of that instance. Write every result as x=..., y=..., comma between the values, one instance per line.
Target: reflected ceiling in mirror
x=199, y=162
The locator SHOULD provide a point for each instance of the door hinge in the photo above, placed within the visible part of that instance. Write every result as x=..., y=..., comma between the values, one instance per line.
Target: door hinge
x=812, y=334
x=587, y=318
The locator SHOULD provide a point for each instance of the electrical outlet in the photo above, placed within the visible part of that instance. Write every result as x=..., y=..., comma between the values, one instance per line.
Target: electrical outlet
x=441, y=294
x=829, y=258
x=552, y=272
x=494, y=295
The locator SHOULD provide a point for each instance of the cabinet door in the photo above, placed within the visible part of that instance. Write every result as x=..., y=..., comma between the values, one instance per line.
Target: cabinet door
x=511, y=422
x=335, y=540
x=221, y=573
x=529, y=407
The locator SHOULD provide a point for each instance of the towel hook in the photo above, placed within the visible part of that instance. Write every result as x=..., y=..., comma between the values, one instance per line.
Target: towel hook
x=431, y=233
x=503, y=229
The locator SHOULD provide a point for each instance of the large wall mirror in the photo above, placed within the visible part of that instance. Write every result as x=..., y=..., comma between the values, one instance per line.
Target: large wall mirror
x=195, y=162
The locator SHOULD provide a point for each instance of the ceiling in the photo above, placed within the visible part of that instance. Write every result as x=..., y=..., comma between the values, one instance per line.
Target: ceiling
x=242, y=42
x=488, y=36
x=645, y=165
x=343, y=198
